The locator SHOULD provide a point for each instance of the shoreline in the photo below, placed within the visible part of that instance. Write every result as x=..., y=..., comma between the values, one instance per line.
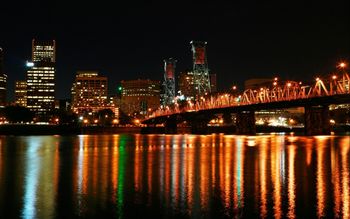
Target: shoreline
x=21, y=129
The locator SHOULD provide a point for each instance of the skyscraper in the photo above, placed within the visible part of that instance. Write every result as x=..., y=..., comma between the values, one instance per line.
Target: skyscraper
x=3, y=81
x=41, y=77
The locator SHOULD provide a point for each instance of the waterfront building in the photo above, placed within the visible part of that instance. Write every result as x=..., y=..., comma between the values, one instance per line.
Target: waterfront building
x=89, y=92
x=140, y=96
x=41, y=77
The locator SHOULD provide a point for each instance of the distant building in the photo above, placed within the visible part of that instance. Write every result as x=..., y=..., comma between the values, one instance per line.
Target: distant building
x=257, y=83
x=41, y=77
x=21, y=93
x=213, y=83
x=63, y=104
x=89, y=92
x=186, y=84
x=3, y=81
x=138, y=96
x=187, y=87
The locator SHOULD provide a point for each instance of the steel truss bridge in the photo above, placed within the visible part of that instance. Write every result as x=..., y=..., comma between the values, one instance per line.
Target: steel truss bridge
x=334, y=89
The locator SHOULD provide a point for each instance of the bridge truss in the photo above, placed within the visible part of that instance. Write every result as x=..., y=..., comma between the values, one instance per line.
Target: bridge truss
x=287, y=91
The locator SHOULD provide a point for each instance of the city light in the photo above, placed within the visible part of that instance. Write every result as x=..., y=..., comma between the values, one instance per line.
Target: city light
x=30, y=64
x=342, y=65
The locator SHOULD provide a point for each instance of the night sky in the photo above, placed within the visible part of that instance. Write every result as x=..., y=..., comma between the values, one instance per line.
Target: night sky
x=290, y=39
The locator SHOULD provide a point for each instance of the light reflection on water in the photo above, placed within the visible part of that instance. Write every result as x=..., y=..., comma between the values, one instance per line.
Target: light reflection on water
x=174, y=176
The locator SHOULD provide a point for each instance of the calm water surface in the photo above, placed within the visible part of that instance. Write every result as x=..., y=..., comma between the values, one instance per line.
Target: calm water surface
x=174, y=176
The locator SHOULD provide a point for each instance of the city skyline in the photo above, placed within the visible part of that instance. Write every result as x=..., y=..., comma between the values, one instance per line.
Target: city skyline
x=244, y=40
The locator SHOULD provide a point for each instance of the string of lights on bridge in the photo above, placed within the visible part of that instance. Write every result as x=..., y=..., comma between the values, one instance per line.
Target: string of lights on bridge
x=334, y=84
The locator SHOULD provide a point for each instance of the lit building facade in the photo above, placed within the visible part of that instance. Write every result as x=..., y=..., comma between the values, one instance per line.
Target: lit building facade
x=21, y=93
x=41, y=77
x=186, y=84
x=89, y=92
x=139, y=96
x=3, y=81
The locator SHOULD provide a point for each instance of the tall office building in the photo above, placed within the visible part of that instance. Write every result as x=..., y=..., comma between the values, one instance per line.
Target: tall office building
x=3, y=81
x=186, y=84
x=41, y=77
x=21, y=93
x=138, y=96
x=89, y=92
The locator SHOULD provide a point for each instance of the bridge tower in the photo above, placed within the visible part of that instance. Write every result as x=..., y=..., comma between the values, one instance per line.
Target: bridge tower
x=200, y=68
x=169, y=81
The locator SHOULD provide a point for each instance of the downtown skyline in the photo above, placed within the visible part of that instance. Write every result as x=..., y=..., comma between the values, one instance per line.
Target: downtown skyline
x=294, y=41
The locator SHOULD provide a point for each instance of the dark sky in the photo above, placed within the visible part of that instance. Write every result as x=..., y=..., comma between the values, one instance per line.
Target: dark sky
x=129, y=39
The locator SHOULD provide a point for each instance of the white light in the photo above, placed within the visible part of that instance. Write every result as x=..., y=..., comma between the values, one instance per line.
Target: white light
x=29, y=64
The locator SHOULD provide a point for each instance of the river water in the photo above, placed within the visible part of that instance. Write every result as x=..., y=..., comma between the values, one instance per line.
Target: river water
x=174, y=176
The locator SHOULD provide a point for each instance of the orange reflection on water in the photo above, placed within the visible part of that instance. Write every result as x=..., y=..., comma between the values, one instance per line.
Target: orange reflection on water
x=149, y=168
x=115, y=162
x=204, y=171
x=345, y=148
x=276, y=178
x=189, y=172
x=336, y=179
x=263, y=175
x=291, y=181
x=238, y=192
x=309, y=145
x=138, y=166
x=175, y=170
x=320, y=175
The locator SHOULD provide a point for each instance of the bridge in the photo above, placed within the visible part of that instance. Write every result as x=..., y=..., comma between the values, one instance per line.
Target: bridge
x=314, y=97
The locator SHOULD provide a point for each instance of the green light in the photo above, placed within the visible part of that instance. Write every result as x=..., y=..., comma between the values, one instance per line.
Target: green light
x=120, y=88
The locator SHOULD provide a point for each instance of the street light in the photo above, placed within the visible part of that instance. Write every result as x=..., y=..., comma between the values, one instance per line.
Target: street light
x=342, y=65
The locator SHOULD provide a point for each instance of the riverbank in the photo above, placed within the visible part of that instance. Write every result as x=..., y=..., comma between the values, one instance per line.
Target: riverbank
x=19, y=129
x=63, y=130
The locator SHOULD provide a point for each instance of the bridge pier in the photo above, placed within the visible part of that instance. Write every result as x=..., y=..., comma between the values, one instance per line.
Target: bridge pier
x=317, y=120
x=245, y=123
x=199, y=124
x=170, y=125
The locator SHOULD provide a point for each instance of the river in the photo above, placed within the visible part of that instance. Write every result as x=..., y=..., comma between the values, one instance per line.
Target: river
x=174, y=176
